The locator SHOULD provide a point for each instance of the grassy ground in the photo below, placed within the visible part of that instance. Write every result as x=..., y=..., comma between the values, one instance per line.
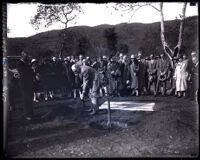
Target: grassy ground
x=170, y=130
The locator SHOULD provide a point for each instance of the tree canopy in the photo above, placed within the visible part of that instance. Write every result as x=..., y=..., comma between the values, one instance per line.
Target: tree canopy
x=50, y=14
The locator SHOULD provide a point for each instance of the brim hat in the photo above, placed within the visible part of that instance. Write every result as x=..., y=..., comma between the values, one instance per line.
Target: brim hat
x=175, y=58
x=33, y=60
x=132, y=56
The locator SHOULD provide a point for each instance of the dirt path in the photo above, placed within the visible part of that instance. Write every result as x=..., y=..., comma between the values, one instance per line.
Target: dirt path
x=171, y=129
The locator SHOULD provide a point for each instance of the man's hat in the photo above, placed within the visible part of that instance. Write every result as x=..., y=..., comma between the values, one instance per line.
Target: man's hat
x=125, y=56
x=175, y=58
x=132, y=56
x=193, y=53
x=33, y=60
x=75, y=67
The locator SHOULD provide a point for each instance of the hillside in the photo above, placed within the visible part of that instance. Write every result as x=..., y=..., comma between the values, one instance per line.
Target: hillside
x=136, y=36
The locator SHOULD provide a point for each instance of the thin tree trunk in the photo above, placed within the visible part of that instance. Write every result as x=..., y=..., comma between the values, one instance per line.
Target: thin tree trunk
x=63, y=41
x=180, y=38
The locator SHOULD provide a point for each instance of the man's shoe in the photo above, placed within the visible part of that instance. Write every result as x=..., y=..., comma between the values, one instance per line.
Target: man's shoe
x=89, y=110
x=35, y=100
x=93, y=112
x=28, y=118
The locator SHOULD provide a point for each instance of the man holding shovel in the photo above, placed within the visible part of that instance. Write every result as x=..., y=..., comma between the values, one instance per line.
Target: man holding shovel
x=90, y=85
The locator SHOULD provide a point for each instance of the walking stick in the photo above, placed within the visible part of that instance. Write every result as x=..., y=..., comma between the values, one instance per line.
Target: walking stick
x=109, y=114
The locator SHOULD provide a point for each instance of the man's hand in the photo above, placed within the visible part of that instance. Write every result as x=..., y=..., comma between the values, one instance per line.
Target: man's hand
x=189, y=77
x=127, y=82
x=82, y=95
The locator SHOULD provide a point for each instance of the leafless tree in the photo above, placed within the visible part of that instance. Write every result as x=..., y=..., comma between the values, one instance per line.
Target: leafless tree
x=133, y=7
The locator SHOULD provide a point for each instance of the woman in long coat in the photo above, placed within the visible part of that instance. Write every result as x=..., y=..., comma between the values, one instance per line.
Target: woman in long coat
x=181, y=77
x=134, y=68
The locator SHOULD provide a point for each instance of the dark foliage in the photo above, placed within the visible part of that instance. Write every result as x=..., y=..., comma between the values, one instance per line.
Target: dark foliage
x=111, y=39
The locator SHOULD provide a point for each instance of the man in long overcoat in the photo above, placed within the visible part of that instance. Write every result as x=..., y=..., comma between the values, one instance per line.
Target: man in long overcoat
x=125, y=75
x=134, y=68
x=142, y=75
x=194, y=78
x=152, y=76
x=26, y=84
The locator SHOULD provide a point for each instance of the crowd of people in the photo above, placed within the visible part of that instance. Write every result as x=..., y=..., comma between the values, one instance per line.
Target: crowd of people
x=120, y=75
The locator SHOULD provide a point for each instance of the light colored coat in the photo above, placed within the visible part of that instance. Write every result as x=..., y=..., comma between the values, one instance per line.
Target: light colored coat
x=181, y=76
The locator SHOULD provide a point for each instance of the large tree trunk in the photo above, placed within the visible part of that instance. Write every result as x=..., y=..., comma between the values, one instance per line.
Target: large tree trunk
x=180, y=38
x=166, y=47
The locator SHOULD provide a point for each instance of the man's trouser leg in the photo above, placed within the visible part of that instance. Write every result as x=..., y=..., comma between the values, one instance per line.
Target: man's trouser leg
x=157, y=86
x=94, y=101
x=154, y=87
x=149, y=86
x=164, y=87
x=94, y=97
x=28, y=98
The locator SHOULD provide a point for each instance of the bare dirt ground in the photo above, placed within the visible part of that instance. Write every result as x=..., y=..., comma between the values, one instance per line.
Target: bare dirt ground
x=170, y=130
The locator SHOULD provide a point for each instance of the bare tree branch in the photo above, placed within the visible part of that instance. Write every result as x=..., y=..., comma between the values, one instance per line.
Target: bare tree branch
x=133, y=7
x=181, y=29
x=154, y=7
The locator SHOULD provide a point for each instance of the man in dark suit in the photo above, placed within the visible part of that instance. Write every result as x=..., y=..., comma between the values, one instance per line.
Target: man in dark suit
x=152, y=77
x=125, y=76
x=26, y=84
x=142, y=75
x=90, y=84
x=194, y=78
x=162, y=73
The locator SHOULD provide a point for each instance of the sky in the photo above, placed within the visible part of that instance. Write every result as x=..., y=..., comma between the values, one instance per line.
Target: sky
x=19, y=15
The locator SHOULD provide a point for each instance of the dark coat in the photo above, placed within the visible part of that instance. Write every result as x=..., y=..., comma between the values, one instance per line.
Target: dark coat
x=195, y=76
x=142, y=73
x=26, y=74
x=134, y=68
x=162, y=66
x=125, y=72
x=47, y=76
x=152, y=68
